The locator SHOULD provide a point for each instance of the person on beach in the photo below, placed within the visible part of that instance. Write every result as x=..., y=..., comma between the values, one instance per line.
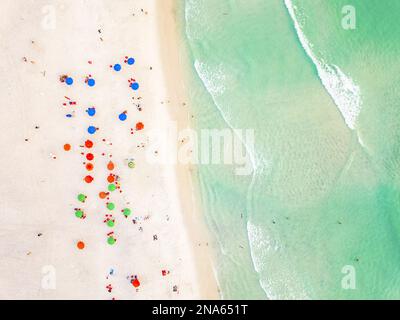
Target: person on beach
x=109, y=288
x=110, y=273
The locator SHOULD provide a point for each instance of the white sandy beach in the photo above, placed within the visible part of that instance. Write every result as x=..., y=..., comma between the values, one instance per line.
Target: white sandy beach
x=39, y=258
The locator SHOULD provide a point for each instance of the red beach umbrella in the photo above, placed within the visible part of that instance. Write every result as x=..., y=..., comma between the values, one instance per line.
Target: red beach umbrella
x=88, y=179
x=139, y=126
x=110, y=166
x=80, y=245
x=135, y=282
x=88, y=144
x=103, y=195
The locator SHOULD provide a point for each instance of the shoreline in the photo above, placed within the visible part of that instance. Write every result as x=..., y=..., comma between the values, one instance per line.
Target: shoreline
x=174, y=61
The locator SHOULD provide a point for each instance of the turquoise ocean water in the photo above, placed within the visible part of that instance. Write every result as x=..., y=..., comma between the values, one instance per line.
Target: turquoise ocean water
x=323, y=102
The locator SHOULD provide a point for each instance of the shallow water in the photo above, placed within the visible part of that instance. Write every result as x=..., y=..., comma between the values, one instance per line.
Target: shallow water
x=322, y=101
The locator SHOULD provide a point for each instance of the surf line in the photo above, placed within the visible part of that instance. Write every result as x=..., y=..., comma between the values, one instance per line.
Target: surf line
x=342, y=89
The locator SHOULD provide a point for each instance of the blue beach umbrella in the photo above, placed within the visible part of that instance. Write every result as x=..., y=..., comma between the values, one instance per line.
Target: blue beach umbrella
x=91, y=82
x=69, y=81
x=91, y=111
x=135, y=86
x=117, y=67
x=91, y=129
x=130, y=61
x=122, y=116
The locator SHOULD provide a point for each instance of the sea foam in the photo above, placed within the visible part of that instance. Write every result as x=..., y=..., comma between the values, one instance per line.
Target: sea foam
x=264, y=249
x=344, y=92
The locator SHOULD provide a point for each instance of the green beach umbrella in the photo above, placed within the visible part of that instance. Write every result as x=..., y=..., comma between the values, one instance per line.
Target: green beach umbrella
x=79, y=213
x=131, y=164
x=126, y=212
x=110, y=206
x=110, y=223
x=111, y=187
x=81, y=197
x=110, y=240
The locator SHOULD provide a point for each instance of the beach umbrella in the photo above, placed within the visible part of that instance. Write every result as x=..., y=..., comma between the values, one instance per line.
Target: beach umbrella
x=135, y=282
x=110, y=178
x=91, y=129
x=130, y=61
x=131, y=164
x=79, y=213
x=88, y=179
x=110, y=206
x=139, y=126
x=135, y=86
x=122, y=116
x=90, y=156
x=69, y=81
x=81, y=197
x=80, y=245
x=91, y=111
x=110, y=165
x=117, y=67
x=126, y=212
x=88, y=144
x=110, y=223
x=89, y=167
x=102, y=195
x=111, y=187
x=111, y=240
x=67, y=147
x=91, y=82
